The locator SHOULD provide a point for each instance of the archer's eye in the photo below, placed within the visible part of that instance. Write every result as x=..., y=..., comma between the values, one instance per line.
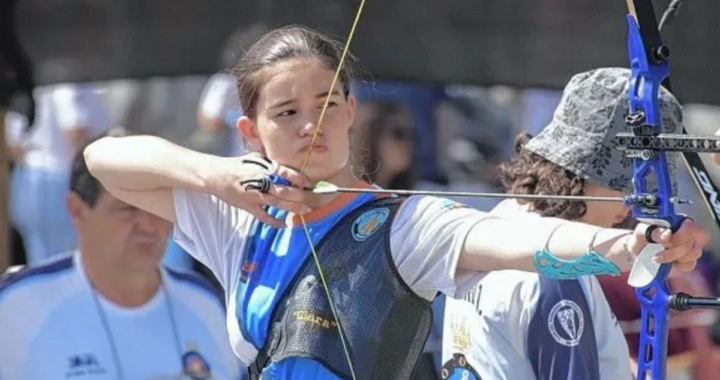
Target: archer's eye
x=286, y=113
x=330, y=105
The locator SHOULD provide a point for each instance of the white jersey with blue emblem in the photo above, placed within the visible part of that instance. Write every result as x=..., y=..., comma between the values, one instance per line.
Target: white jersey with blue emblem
x=51, y=328
x=520, y=325
x=426, y=240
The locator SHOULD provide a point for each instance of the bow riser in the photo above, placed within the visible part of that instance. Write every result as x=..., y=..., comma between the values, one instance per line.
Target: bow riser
x=649, y=67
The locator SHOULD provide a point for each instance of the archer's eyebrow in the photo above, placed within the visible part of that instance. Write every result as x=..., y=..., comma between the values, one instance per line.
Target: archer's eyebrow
x=321, y=95
x=282, y=104
x=325, y=94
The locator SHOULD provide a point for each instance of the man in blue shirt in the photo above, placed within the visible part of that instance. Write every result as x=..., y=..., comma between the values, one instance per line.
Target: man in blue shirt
x=109, y=309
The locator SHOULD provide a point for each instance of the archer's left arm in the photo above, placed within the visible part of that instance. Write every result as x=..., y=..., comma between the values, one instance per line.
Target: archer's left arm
x=503, y=243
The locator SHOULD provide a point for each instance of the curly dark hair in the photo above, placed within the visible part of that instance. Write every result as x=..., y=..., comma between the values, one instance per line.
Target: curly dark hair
x=529, y=173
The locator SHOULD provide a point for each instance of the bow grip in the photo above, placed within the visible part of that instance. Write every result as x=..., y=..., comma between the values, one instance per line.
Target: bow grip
x=673, y=223
x=655, y=314
x=279, y=180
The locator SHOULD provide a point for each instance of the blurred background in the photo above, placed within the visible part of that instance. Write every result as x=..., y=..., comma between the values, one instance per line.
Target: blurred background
x=445, y=86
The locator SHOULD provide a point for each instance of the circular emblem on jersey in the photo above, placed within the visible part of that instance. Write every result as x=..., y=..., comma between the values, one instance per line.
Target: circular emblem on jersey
x=458, y=368
x=566, y=323
x=195, y=366
x=369, y=222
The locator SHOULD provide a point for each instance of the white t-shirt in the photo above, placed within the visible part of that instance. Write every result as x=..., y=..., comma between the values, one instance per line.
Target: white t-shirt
x=498, y=328
x=61, y=108
x=51, y=328
x=427, y=237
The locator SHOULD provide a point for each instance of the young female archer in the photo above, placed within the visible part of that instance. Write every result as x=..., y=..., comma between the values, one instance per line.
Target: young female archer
x=327, y=286
x=526, y=326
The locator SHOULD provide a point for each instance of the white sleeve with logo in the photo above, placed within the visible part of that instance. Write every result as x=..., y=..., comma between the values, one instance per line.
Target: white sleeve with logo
x=497, y=323
x=212, y=231
x=426, y=241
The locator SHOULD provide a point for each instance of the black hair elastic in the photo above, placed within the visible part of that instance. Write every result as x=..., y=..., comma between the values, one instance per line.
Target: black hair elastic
x=260, y=184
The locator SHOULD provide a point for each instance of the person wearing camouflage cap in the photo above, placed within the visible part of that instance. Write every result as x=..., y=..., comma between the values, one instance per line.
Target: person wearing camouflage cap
x=591, y=112
x=520, y=325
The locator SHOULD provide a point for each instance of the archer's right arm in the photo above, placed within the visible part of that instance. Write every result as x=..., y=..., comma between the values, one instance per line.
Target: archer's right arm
x=144, y=170
x=201, y=194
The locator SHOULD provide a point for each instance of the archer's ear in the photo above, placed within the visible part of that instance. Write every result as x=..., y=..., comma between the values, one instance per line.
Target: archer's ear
x=352, y=102
x=249, y=131
x=76, y=208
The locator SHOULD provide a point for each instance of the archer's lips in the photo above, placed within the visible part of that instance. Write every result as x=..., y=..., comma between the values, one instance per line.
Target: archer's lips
x=316, y=149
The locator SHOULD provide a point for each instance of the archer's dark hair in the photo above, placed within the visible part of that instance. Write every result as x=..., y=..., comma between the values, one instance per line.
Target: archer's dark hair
x=529, y=173
x=280, y=45
x=82, y=183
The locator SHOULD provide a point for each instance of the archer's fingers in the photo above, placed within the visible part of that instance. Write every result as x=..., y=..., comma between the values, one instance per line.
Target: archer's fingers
x=296, y=178
x=296, y=207
x=287, y=193
x=688, y=232
x=685, y=253
x=264, y=217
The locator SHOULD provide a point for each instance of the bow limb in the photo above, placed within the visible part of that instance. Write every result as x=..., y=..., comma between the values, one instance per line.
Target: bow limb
x=317, y=130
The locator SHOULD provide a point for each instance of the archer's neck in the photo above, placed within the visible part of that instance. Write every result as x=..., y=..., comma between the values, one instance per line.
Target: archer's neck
x=120, y=286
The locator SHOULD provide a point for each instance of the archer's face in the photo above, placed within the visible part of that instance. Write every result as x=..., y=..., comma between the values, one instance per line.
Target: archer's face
x=288, y=109
x=604, y=214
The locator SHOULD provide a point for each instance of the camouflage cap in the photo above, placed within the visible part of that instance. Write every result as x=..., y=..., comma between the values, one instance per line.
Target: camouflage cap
x=591, y=112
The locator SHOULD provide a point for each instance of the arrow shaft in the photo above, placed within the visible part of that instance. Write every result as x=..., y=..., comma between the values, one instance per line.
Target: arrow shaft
x=479, y=195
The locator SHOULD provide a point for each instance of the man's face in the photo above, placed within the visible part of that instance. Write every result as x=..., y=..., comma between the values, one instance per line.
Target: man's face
x=119, y=233
x=604, y=214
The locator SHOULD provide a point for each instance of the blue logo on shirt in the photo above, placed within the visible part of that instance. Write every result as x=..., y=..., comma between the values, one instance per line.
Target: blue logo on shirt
x=369, y=222
x=78, y=361
x=83, y=365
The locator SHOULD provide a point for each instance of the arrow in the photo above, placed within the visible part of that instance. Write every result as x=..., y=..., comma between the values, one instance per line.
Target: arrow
x=323, y=187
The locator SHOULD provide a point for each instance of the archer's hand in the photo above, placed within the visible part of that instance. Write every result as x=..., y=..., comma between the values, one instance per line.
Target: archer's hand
x=237, y=180
x=682, y=248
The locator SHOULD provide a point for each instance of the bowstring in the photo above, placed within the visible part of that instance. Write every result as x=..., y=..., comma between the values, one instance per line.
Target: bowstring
x=302, y=170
